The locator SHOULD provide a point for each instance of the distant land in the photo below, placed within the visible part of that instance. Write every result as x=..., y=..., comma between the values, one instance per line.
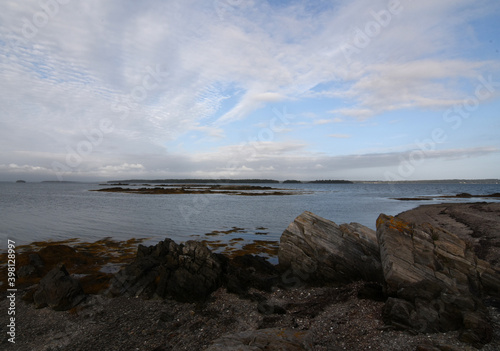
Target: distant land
x=218, y=181
x=436, y=181
x=328, y=181
x=191, y=181
x=60, y=181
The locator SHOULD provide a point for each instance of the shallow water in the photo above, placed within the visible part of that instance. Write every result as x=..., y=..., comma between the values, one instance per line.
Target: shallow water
x=42, y=211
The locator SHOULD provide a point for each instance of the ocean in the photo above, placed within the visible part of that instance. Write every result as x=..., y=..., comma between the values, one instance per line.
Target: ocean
x=58, y=211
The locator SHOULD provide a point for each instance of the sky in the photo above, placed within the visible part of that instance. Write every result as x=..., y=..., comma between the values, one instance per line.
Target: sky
x=358, y=90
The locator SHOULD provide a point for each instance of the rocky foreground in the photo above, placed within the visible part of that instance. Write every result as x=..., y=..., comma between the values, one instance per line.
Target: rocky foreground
x=427, y=279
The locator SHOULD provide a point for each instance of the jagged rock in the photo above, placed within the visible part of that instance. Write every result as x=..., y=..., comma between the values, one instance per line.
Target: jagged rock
x=188, y=272
x=316, y=249
x=249, y=271
x=58, y=290
x=435, y=277
x=263, y=339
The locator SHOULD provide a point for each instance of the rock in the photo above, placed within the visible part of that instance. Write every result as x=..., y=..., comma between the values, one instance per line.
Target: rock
x=372, y=291
x=58, y=290
x=32, y=268
x=478, y=329
x=315, y=249
x=263, y=339
x=250, y=271
x=35, y=260
x=478, y=224
x=187, y=273
x=435, y=277
x=26, y=271
x=398, y=312
x=427, y=348
x=190, y=272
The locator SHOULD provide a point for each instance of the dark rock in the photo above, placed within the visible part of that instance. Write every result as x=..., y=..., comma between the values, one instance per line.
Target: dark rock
x=372, y=291
x=263, y=340
x=478, y=330
x=189, y=272
x=318, y=250
x=267, y=309
x=26, y=271
x=35, y=260
x=427, y=348
x=249, y=271
x=398, y=312
x=33, y=268
x=58, y=290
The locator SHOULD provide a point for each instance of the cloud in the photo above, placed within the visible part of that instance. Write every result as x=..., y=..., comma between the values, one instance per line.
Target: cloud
x=276, y=160
x=158, y=70
x=123, y=168
x=421, y=84
x=322, y=121
x=339, y=136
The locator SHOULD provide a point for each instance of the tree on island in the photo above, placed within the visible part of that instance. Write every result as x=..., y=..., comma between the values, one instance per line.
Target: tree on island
x=329, y=181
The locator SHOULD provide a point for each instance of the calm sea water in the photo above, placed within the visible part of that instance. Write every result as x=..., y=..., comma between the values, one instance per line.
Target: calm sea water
x=41, y=211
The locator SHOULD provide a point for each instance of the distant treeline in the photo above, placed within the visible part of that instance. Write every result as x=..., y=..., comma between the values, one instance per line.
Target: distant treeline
x=226, y=181
x=196, y=181
x=329, y=181
x=436, y=181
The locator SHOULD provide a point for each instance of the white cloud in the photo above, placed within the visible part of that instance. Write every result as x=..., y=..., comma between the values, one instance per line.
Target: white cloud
x=123, y=168
x=322, y=121
x=340, y=136
x=158, y=70
x=271, y=160
x=421, y=84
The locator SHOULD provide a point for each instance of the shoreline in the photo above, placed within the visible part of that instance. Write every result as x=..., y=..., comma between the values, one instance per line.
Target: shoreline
x=331, y=314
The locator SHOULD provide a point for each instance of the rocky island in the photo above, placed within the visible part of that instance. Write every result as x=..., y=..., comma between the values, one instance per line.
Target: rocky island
x=427, y=279
x=177, y=189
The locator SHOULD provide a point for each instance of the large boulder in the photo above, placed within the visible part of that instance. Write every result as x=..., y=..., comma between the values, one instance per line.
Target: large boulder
x=434, y=278
x=315, y=249
x=186, y=272
x=58, y=290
